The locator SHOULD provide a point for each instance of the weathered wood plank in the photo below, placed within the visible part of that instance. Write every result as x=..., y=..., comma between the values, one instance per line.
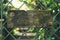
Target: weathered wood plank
x=31, y=18
x=26, y=34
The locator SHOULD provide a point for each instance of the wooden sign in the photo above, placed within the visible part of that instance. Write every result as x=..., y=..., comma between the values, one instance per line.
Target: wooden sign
x=30, y=18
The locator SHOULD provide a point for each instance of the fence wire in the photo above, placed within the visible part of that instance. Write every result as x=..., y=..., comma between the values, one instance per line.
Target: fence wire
x=7, y=32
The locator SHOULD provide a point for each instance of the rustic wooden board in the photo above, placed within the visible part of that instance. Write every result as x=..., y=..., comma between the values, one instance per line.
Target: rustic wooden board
x=30, y=18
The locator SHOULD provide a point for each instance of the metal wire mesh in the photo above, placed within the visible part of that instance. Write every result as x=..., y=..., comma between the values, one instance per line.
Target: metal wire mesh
x=9, y=35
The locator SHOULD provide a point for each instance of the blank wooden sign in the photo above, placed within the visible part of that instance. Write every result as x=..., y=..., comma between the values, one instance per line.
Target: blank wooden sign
x=30, y=18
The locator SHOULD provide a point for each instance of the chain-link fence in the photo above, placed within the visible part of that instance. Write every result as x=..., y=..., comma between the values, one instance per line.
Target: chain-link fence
x=21, y=22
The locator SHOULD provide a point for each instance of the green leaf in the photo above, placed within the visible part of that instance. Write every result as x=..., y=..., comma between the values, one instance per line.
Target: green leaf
x=21, y=0
x=52, y=6
x=48, y=1
x=29, y=1
x=31, y=29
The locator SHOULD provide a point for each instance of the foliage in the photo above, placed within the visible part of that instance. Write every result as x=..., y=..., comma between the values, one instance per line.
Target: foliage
x=42, y=5
x=5, y=1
